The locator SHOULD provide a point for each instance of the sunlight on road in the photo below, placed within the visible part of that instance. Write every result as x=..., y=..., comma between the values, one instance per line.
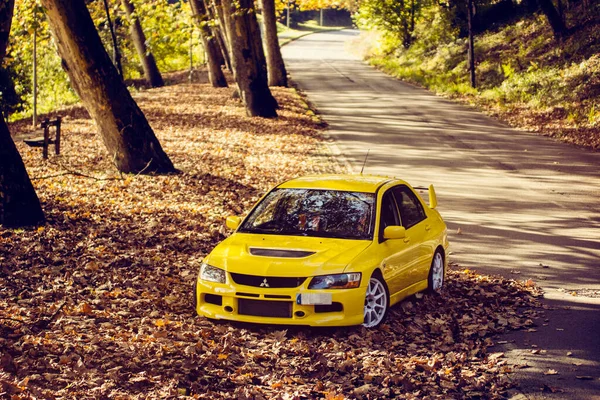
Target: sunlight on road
x=513, y=201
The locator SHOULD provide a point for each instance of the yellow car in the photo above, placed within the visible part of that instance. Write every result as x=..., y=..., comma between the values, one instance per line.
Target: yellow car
x=327, y=250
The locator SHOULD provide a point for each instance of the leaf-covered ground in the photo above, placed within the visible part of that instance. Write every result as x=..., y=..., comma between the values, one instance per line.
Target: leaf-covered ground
x=98, y=302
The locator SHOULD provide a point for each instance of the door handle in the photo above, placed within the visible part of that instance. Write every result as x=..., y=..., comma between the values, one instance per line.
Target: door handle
x=406, y=240
x=427, y=227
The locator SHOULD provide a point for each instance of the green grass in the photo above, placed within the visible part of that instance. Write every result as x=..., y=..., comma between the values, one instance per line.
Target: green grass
x=520, y=66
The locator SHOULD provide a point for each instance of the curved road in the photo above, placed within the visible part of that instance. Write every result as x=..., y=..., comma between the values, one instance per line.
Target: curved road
x=519, y=205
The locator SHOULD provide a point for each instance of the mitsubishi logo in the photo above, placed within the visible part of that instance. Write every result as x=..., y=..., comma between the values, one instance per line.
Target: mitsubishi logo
x=264, y=283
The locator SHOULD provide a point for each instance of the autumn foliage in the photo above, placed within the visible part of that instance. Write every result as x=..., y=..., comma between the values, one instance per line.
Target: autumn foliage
x=98, y=303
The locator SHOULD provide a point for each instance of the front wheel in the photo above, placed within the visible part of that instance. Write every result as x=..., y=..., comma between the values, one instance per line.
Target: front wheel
x=435, y=281
x=376, y=302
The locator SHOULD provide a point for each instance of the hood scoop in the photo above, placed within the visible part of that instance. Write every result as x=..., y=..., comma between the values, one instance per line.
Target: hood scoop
x=281, y=253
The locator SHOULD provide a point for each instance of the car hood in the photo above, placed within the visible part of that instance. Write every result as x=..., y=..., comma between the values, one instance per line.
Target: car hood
x=275, y=255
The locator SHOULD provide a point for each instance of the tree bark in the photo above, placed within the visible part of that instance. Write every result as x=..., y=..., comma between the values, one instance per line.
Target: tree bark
x=556, y=23
x=214, y=58
x=221, y=43
x=222, y=32
x=248, y=58
x=7, y=8
x=275, y=66
x=471, y=57
x=125, y=131
x=116, y=52
x=151, y=72
x=19, y=204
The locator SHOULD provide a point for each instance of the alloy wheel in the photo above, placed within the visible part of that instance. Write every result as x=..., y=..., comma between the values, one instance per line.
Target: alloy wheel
x=376, y=303
x=437, y=272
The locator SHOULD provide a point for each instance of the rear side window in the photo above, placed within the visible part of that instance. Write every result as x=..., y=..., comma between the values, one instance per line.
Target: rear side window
x=389, y=212
x=411, y=210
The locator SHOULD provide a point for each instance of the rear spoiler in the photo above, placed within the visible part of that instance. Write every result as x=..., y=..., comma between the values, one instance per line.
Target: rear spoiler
x=432, y=195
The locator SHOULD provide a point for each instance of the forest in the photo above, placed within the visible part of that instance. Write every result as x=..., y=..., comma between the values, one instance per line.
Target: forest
x=176, y=114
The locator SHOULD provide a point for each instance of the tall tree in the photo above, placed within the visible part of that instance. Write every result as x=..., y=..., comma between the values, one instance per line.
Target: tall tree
x=151, y=72
x=19, y=204
x=125, y=131
x=471, y=57
x=213, y=53
x=556, y=22
x=275, y=66
x=216, y=12
x=111, y=27
x=248, y=58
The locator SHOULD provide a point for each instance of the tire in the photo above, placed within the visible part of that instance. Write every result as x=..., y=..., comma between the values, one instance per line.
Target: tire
x=436, y=278
x=377, y=301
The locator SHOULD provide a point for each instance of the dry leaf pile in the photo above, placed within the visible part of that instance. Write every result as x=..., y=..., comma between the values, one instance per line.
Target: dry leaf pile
x=98, y=303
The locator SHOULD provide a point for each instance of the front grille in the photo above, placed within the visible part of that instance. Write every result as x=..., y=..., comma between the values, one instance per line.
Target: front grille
x=262, y=308
x=247, y=294
x=267, y=282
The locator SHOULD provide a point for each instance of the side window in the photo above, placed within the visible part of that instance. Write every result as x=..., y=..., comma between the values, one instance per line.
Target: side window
x=389, y=212
x=411, y=210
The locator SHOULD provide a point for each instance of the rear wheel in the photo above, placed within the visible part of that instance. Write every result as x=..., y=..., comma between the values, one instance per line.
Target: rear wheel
x=376, y=302
x=435, y=281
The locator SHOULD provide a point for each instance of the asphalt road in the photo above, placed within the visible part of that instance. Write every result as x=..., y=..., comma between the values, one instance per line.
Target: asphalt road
x=516, y=204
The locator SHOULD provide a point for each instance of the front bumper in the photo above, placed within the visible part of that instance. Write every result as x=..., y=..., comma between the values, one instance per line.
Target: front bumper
x=242, y=303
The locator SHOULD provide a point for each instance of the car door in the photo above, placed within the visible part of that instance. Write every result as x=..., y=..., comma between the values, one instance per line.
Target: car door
x=398, y=254
x=414, y=219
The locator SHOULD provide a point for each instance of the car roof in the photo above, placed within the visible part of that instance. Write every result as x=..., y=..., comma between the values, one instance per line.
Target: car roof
x=344, y=182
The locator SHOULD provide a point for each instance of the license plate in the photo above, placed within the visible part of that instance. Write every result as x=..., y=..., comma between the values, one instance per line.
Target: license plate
x=313, y=298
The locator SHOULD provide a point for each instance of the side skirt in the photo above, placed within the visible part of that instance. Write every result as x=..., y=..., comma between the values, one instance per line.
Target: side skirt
x=417, y=287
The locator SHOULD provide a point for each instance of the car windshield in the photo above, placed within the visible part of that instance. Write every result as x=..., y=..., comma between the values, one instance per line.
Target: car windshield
x=310, y=212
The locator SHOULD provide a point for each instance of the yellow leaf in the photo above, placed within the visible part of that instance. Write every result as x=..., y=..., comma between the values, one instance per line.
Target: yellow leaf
x=85, y=308
x=161, y=322
x=223, y=356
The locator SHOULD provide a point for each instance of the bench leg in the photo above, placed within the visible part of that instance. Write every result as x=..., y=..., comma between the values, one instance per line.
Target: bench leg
x=57, y=143
x=46, y=141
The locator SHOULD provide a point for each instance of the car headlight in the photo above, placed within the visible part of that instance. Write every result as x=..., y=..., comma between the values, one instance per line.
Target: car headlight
x=338, y=281
x=212, y=274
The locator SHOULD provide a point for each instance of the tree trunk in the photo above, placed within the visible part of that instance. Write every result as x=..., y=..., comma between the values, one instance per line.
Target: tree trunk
x=214, y=58
x=554, y=19
x=116, y=52
x=7, y=8
x=221, y=43
x=223, y=32
x=151, y=72
x=275, y=65
x=248, y=58
x=471, y=57
x=19, y=205
x=125, y=131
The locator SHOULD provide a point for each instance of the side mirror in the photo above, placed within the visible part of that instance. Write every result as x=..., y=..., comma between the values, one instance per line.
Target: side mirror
x=432, y=198
x=394, y=232
x=233, y=222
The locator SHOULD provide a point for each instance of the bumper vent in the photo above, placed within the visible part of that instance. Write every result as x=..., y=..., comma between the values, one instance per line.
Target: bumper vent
x=266, y=281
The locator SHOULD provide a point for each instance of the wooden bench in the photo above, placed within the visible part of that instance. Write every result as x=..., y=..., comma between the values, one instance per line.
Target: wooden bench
x=47, y=139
